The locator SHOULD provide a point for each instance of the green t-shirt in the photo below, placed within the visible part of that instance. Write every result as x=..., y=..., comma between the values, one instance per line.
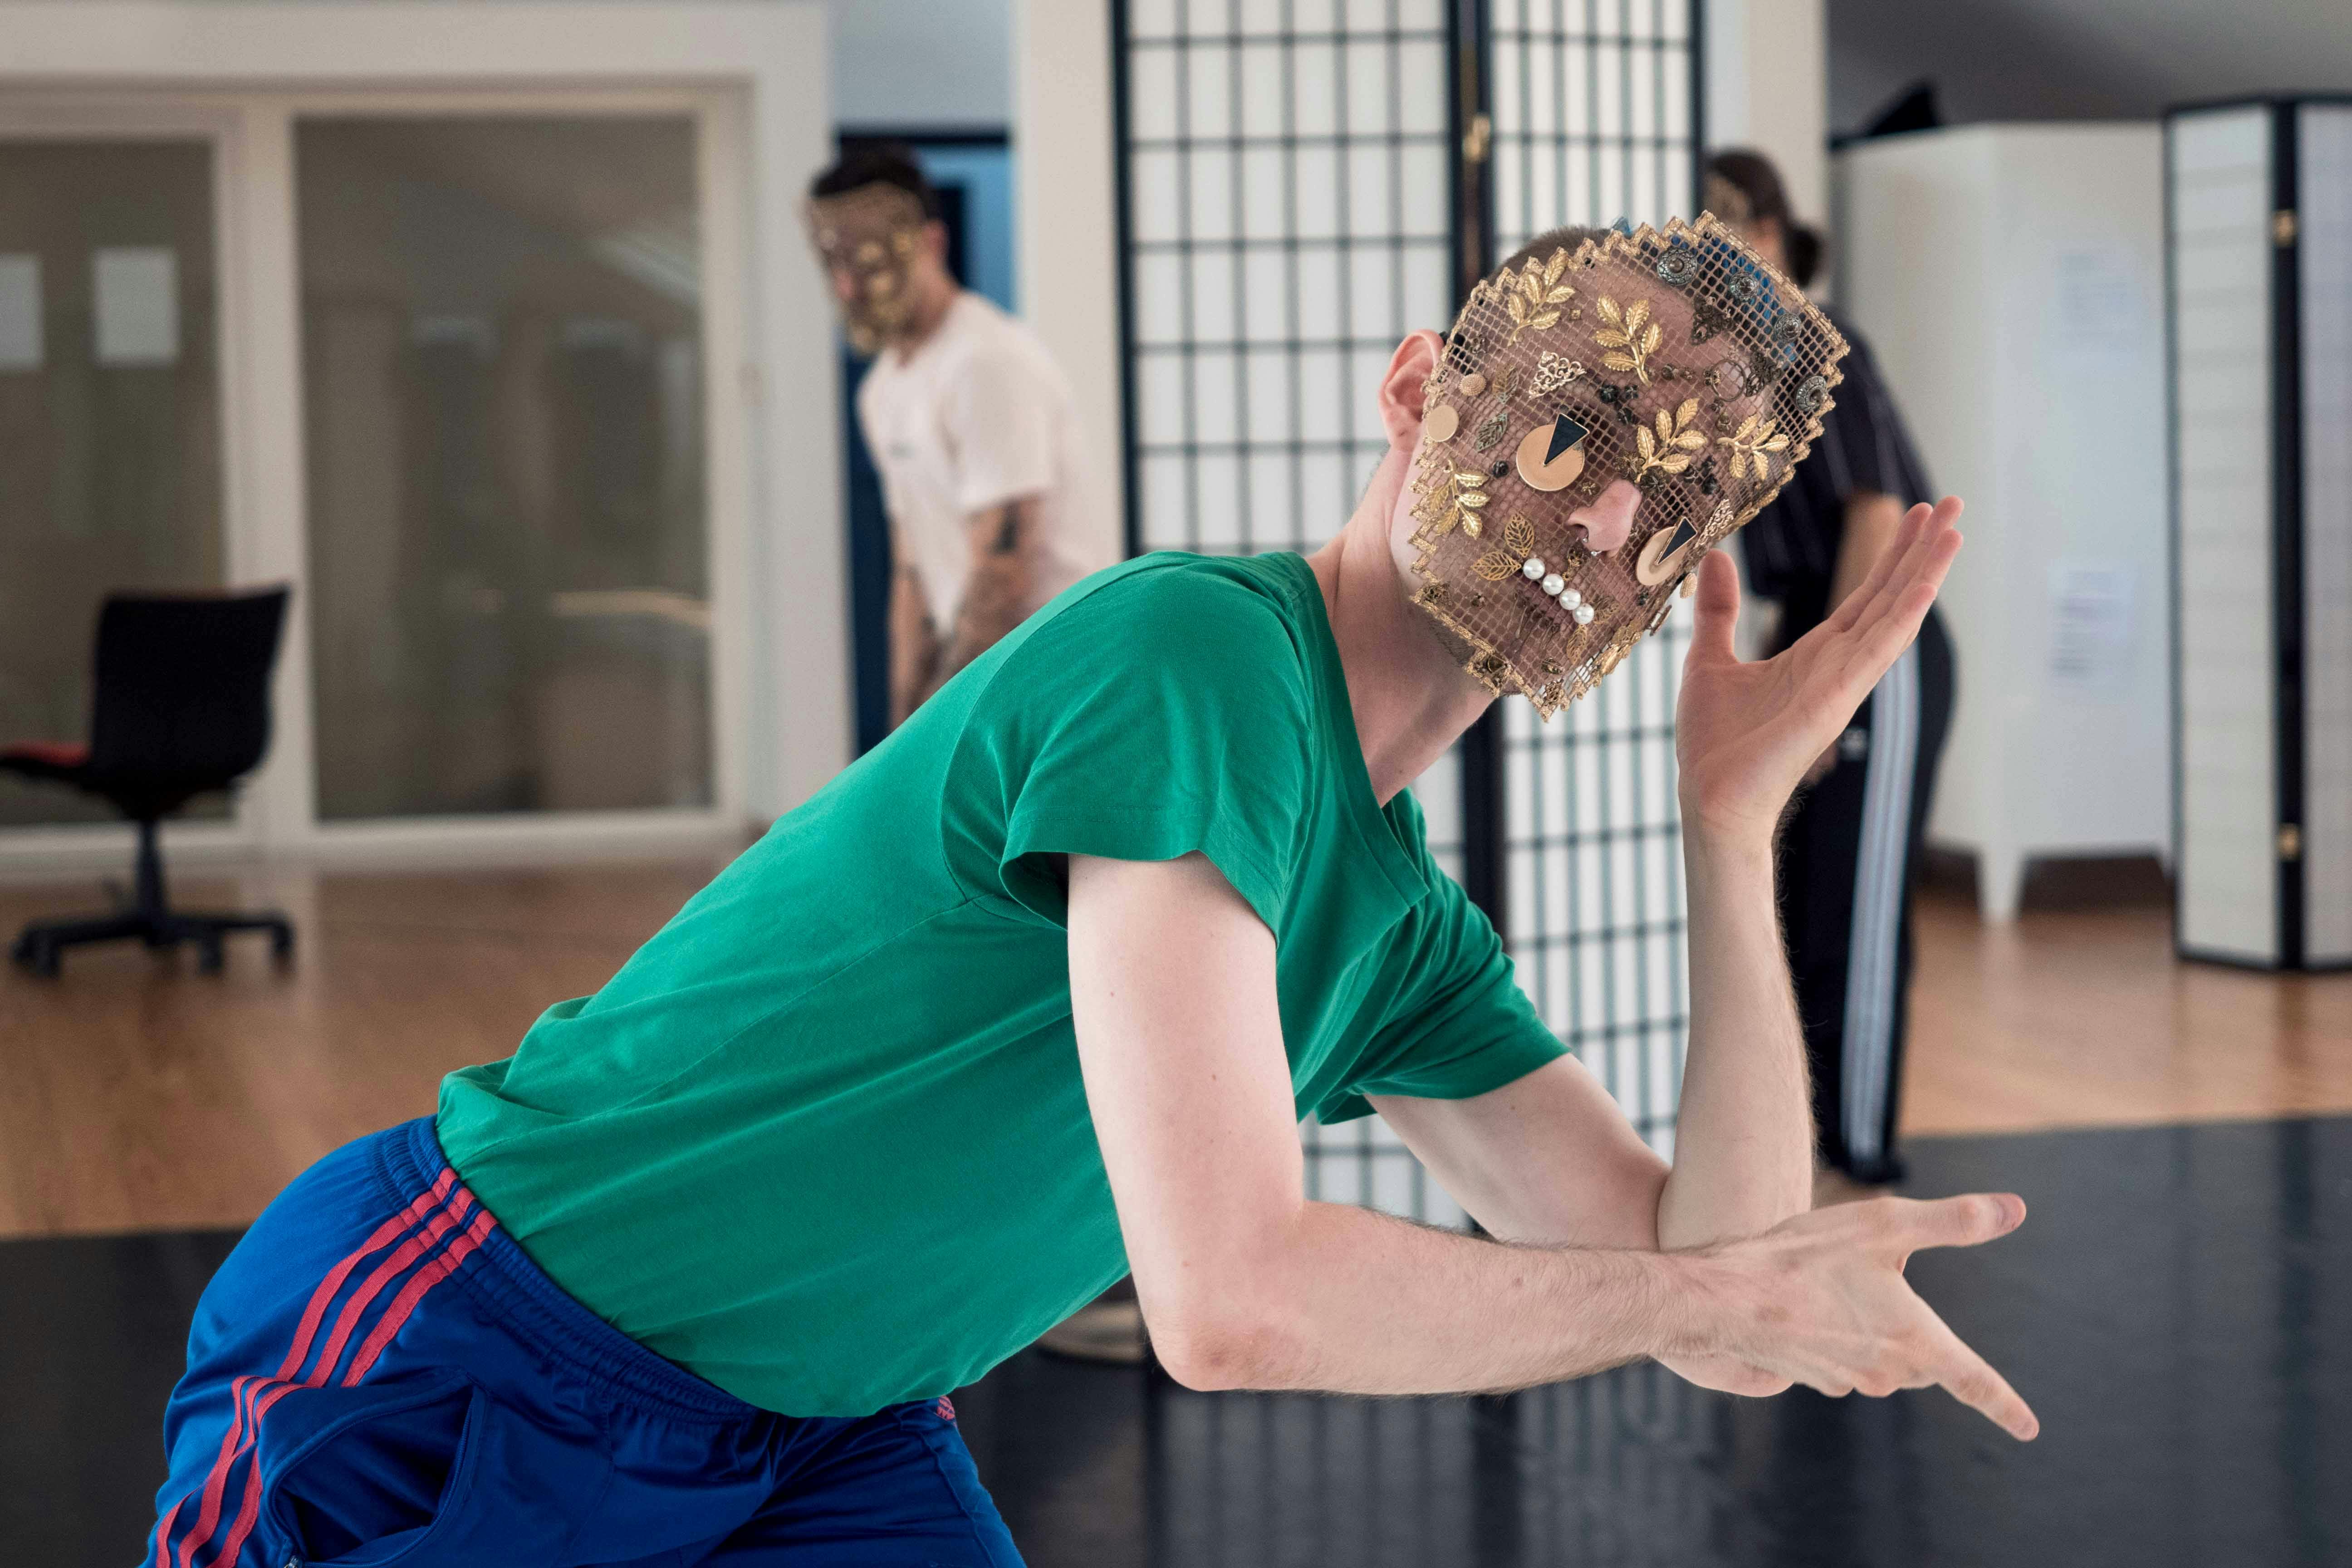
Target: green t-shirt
x=823, y=1141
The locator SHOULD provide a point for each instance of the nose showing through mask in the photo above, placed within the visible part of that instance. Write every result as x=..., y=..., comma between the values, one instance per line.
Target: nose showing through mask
x=1600, y=418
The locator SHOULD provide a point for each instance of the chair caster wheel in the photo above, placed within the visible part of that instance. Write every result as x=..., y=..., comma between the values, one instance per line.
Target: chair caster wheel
x=209, y=956
x=282, y=942
x=38, y=955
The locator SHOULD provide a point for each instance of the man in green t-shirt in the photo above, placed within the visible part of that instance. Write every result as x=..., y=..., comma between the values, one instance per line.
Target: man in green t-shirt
x=1038, y=992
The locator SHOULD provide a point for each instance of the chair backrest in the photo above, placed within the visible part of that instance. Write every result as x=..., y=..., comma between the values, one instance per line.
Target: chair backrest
x=183, y=688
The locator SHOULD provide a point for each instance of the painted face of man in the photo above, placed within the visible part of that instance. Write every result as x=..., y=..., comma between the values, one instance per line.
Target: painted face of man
x=868, y=240
x=1676, y=362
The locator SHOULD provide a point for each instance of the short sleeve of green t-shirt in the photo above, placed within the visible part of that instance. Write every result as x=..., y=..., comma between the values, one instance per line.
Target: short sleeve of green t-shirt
x=1460, y=1026
x=1200, y=742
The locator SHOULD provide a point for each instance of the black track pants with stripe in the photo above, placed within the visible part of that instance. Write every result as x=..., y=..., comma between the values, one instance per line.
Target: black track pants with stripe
x=1846, y=862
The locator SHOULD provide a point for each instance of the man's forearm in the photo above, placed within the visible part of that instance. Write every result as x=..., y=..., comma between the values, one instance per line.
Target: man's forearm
x=996, y=595
x=1744, y=1135
x=1353, y=1301
x=914, y=646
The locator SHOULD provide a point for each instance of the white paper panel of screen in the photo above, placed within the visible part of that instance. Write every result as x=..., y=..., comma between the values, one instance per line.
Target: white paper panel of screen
x=2323, y=199
x=2221, y=240
x=1592, y=121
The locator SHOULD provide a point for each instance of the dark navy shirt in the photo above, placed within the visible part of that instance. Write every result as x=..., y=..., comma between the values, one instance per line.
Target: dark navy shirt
x=1793, y=544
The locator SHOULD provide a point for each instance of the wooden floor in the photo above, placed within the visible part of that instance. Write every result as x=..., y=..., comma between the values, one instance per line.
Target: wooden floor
x=135, y=1093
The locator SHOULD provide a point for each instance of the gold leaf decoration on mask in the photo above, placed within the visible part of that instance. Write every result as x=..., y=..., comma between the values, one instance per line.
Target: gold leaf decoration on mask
x=1461, y=501
x=1534, y=301
x=1753, y=442
x=1518, y=543
x=1631, y=337
x=1669, y=451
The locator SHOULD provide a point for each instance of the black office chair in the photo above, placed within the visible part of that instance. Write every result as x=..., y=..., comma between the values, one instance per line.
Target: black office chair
x=180, y=707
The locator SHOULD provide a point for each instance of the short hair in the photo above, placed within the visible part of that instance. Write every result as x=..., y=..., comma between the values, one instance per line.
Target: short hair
x=876, y=163
x=1541, y=247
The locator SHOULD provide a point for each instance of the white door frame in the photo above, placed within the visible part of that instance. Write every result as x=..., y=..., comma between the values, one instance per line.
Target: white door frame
x=753, y=77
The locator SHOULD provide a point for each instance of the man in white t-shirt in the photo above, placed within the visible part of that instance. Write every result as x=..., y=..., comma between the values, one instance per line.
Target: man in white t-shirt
x=993, y=500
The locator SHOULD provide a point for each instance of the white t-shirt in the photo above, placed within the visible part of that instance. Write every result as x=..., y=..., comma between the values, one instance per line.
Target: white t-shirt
x=977, y=416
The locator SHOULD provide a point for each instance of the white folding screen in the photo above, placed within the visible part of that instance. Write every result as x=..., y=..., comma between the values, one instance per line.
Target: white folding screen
x=2323, y=203
x=1289, y=174
x=2259, y=231
x=1594, y=119
x=2219, y=173
x=1286, y=167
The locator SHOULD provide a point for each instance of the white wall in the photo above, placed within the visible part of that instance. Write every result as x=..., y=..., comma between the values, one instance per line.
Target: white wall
x=922, y=62
x=1065, y=193
x=1767, y=88
x=2010, y=278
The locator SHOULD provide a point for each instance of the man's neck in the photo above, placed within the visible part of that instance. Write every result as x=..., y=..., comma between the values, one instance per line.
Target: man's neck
x=931, y=309
x=1411, y=696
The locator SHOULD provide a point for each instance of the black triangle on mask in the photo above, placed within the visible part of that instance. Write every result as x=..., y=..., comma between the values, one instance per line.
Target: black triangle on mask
x=1565, y=433
x=1683, y=533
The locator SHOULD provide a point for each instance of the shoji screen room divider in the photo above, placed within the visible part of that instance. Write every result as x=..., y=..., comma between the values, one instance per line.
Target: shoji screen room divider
x=1303, y=182
x=2259, y=234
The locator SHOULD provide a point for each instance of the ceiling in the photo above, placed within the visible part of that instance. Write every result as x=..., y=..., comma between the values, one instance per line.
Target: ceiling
x=2081, y=59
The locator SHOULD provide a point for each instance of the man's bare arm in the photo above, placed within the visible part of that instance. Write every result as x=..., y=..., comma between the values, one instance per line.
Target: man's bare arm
x=1743, y=736
x=1244, y=1282
x=914, y=644
x=1247, y=1284
x=1551, y=1157
x=996, y=595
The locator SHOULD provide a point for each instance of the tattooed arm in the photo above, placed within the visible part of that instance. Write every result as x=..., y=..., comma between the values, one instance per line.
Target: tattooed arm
x=996, y=595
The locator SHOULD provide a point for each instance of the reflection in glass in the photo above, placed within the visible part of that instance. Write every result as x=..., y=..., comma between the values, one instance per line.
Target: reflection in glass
x=503, y=400
x=109, y=420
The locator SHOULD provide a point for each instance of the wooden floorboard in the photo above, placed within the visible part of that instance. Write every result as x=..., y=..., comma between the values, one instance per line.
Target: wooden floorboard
x=137, y=1094
x=2082, y=1017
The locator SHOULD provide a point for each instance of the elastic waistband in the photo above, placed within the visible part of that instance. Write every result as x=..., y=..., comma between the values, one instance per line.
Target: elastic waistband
x=409, y=1161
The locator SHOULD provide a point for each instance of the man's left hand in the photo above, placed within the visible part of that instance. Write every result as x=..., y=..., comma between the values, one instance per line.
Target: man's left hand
x=1745, y=734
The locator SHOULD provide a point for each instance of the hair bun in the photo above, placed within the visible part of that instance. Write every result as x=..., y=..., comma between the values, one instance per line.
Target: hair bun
x=1802, y=248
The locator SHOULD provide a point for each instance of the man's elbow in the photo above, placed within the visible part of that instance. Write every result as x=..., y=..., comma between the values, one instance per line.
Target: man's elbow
x=1221, y=1339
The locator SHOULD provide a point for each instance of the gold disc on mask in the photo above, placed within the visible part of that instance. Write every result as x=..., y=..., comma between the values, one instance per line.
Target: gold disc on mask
x=1539, y=470
x=1658, y=561
x=1440, y=422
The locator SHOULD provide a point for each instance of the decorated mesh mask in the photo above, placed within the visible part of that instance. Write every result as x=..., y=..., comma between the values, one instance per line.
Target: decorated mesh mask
x=1676, y=360
x=874, y=233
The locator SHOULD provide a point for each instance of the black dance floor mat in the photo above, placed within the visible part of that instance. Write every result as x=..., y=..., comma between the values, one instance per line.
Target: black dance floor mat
x=2177, y=1309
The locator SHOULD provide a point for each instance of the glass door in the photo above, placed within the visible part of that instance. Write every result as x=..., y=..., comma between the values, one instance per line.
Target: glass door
x=503, y=428
x=110, y=417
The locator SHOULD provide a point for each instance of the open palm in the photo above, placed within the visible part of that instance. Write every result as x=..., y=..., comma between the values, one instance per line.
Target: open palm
x=1745, y=733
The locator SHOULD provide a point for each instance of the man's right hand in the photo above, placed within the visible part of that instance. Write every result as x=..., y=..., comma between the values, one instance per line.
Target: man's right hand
x=1821, y=1300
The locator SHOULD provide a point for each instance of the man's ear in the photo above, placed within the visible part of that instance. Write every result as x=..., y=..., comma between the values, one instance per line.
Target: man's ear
x=935, y=239
x=1401, y=394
